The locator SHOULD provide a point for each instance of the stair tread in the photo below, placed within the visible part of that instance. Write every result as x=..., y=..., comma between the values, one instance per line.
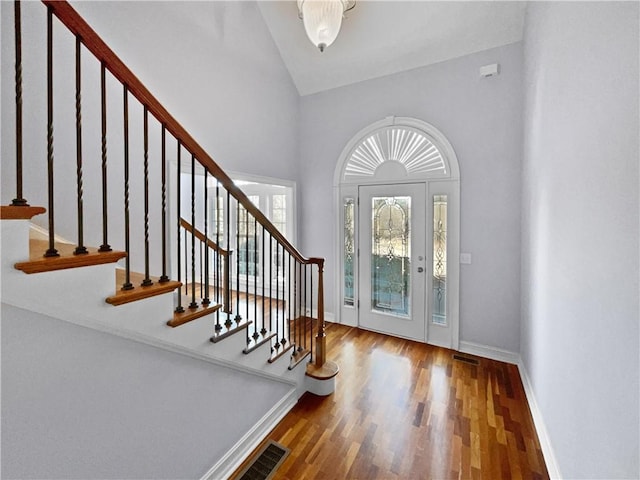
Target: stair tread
x=26, y=212
x=139, y=292
x=190, y=314
x=38, y=263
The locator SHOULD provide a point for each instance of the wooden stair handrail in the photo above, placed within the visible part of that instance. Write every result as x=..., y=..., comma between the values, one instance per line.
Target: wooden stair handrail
x=92, y=41
x=200, y=236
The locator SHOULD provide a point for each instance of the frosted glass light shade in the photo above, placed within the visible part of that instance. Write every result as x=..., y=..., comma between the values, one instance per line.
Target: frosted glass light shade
x=322, y=20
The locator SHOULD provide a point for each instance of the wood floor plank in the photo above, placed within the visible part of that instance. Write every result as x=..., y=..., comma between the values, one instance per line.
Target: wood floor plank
x=405, y=410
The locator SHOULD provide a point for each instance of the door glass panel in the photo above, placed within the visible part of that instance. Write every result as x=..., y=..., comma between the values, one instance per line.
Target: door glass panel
x=390, y=254
x=439, y=315
x=349, y=242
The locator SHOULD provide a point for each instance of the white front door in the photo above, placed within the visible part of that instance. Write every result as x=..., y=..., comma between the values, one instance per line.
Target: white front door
x=392, y=254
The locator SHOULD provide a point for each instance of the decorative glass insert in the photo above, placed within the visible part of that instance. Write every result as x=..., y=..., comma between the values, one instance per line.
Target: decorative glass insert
x=349, y=250
x=249, y=240
x=390, y=255
x=439, y=315
x=409, y=147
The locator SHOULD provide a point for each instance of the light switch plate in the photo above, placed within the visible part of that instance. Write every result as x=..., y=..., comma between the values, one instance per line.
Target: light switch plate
x=465, y=258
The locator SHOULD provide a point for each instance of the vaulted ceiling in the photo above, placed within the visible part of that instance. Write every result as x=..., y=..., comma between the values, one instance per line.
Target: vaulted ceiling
x=383, y=37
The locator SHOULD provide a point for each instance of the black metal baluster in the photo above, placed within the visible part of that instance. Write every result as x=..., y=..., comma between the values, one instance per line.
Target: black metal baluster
x=264, y=330
x=277, y=316
x=277, y=283
x=51, y=251
x=179, y=308
x=255, y=279
x=186, y=265
x=19, y=201
x=193, y=303
x=300, y=308
x=164, y=278
x=127, y=285
x=286, y=314
x=295, y=303
x=80, y=249
x=217, y=257
x=304, y=308
x=246, y=262
x=237, y=318
x=200, y=264
x=311, y=310
x=205, y=298
x=147, y=280
x=105, y=247
x=227, y=271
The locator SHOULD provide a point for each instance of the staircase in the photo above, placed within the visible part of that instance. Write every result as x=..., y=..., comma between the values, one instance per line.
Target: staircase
x=166, y=249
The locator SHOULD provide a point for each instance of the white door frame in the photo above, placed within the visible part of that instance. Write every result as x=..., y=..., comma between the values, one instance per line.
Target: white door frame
x=348, y=176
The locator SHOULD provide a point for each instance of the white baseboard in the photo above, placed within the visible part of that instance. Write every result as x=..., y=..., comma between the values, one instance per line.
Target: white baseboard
x=541, y=429
x=243, y=448
x=487, y=351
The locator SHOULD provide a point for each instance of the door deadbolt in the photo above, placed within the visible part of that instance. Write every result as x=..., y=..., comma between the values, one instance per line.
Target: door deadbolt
x=420, y=269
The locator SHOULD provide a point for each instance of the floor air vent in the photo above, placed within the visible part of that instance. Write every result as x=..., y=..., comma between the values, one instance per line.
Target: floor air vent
x=265, y=464
x=462, y=358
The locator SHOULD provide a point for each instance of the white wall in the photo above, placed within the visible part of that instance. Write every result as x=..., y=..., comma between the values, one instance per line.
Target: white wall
x=482, y=120
x=579, y=339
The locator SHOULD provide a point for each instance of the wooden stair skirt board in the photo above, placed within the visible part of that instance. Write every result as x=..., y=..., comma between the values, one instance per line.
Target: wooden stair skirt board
x=38, y=263
x=322, y=380
x=138, y=292
x=11, y=212
x=190, y=314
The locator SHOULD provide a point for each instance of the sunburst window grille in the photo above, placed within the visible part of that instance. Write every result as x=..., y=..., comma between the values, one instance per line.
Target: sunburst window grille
x=406, y=146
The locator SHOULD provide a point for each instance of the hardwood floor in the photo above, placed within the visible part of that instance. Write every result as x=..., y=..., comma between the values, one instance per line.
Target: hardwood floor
x=406, y=410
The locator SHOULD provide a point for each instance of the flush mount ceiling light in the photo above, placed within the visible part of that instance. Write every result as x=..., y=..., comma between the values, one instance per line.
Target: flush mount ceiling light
x=322, y=19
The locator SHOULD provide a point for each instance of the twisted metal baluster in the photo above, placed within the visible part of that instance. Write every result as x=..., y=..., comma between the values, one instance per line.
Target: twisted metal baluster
x=164, y=278
x=127, y=240
x=105, y=247
x=147, y=280
x=19, y=201
x=80, y=249
x=51, y=251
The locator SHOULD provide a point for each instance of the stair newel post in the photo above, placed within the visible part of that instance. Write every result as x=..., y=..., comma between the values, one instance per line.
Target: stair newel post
x=19, y=201
x=193, y=304
x=164, y=278
x=321, y=337
x=51, y=251
x=127, y=236
x=145, y=135
x=205, y=297
x=179, y=308
x=80, y=249
x=105, y=247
